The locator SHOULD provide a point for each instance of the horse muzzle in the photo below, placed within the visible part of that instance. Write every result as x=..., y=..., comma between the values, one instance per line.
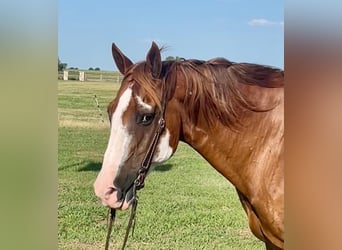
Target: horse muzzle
x=115, y=198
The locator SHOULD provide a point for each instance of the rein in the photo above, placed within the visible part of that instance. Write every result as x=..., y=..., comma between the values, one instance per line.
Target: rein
x=139, y=182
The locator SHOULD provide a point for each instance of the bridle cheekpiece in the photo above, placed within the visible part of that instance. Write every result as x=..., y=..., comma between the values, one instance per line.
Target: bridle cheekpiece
x=139, y=182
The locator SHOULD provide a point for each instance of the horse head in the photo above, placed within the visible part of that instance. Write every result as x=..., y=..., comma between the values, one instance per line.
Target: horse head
x=134, y=115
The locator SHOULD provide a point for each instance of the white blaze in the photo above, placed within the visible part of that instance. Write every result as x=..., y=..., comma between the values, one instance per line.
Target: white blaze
x=117, y=149
x=119, y=139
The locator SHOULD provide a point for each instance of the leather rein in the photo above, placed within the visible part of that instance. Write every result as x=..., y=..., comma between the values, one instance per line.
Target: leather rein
x=139, y=182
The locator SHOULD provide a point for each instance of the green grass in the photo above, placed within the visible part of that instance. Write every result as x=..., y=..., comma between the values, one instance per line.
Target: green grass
x=185, y=204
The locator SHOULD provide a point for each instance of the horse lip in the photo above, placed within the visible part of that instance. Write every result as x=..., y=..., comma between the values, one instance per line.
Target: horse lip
x=126, y=200
x=125, y=196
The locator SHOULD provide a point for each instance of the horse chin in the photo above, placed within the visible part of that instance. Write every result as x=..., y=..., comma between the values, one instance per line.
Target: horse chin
x=125, y=205
x=119, y=205
x=127, y=200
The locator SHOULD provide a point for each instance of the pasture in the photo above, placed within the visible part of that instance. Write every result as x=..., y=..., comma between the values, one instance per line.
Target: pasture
x=185, y=204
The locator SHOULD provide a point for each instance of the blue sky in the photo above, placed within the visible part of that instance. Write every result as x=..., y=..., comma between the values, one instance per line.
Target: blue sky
x=239, y=30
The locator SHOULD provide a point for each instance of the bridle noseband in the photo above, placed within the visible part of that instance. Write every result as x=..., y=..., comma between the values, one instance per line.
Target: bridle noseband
x=139, y=182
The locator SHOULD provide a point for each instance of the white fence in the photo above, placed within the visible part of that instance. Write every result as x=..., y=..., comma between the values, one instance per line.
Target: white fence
x=89, y=76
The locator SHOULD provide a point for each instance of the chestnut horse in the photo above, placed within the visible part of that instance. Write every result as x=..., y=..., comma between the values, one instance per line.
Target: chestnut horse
x=231, y=113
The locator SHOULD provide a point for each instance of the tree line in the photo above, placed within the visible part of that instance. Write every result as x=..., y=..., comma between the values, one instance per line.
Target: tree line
x=64, y=66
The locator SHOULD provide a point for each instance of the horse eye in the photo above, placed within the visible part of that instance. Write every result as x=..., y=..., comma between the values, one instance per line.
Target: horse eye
x=145, y=119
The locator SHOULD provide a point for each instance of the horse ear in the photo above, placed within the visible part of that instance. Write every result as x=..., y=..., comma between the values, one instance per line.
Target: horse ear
x=153, y=60
x=121, y=61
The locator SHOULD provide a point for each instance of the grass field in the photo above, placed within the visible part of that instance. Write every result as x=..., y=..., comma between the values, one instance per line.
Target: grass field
x=185, y=204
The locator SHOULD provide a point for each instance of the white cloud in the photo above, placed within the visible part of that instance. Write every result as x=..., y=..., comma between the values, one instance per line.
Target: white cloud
x=264, y=22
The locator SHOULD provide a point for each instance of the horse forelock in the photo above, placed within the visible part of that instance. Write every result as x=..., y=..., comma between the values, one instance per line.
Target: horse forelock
x=141, y=77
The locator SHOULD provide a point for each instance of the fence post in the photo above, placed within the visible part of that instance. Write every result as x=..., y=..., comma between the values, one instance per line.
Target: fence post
x=65, y=75
x=81, y=76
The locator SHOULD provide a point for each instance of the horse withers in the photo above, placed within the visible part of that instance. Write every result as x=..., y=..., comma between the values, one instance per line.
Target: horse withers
x=231, y=113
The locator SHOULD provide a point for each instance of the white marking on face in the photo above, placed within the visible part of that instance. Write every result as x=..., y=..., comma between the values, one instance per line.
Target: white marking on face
x=119, y=139
x=117, y=149
x=141, y=103
x=164, y=151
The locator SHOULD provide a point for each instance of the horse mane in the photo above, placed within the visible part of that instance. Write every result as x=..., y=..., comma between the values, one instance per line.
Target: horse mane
x=212, y=87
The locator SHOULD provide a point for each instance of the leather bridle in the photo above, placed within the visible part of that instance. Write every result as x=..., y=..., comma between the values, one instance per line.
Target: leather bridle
x=139, y=182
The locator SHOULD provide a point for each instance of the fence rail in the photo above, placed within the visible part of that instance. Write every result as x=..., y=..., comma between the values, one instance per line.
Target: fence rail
x=89, y=76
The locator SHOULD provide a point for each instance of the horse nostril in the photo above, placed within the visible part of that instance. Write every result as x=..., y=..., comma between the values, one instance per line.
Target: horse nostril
x=119, y=193
x=109, y=192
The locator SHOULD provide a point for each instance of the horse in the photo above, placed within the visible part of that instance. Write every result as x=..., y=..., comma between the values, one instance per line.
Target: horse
x=231, y=113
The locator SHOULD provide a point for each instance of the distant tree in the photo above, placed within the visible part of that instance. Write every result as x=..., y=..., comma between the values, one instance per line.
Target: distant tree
x=61, y=66
x=172, y=58
x=169, y=58
x=97, y=68
x=90, y=68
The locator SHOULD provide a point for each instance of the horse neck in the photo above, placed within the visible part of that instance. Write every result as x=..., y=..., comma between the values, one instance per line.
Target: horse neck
x=240, y=155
